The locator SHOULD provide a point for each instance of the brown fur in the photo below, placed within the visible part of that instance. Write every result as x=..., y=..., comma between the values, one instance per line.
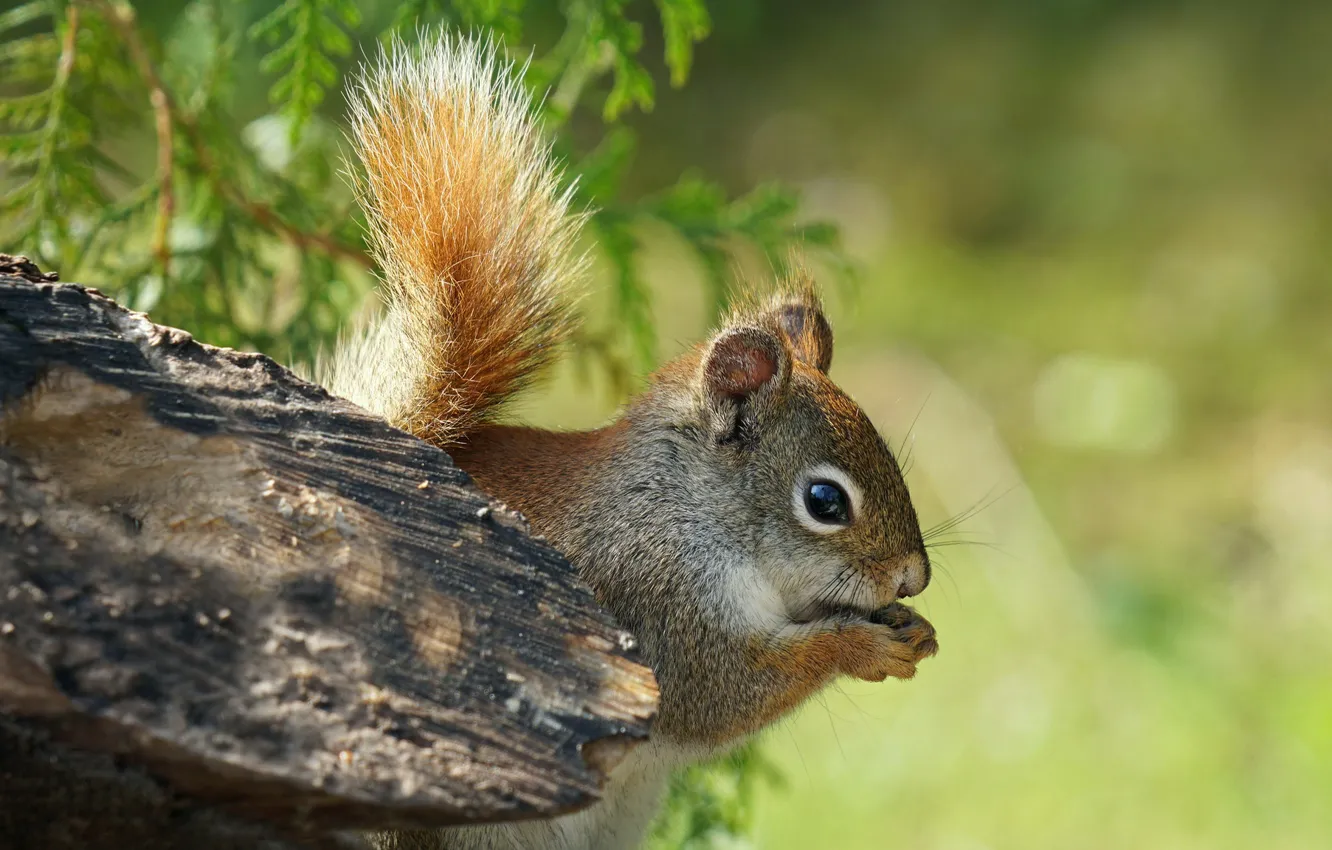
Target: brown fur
x=619, y=502
x=470, y=226
x=687, y=514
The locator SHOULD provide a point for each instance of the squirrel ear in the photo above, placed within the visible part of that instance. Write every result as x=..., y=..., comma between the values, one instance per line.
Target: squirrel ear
x=742, y=365
x=741, y=361
x=808, y=331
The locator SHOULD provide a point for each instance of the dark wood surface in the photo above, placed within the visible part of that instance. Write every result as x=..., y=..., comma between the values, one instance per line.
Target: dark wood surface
x=270, y=603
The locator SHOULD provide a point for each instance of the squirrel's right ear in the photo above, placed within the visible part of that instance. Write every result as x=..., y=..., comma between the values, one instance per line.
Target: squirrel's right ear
x=742, y=366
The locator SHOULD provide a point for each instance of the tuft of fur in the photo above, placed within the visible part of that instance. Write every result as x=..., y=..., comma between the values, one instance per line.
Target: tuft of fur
x=794, y=306
x=472, y=232
x=755, y=300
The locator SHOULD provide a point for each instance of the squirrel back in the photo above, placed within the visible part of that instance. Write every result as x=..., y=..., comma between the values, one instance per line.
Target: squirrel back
x=471, y=228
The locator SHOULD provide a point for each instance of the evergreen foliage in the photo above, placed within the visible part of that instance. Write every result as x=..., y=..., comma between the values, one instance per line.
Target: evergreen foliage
x=307, y=35
x=241, y=229
x=244, y=231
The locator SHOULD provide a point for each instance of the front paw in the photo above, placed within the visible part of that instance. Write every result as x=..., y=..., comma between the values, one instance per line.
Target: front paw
x=897, y=639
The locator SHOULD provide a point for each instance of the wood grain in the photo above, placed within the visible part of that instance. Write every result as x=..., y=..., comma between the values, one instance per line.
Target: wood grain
x=273, y=603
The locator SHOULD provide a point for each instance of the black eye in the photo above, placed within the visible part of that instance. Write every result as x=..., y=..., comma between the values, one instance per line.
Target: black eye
x=827, y=502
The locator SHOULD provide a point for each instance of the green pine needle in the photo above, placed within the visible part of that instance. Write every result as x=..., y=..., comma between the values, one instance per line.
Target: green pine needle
x=684, y=23
x=308, y=34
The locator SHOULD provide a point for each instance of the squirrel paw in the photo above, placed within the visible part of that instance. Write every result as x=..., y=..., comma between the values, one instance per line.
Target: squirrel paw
x=898, y=638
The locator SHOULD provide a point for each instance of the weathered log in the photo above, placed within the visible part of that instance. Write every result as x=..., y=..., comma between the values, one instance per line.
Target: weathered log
x=56, y=797
x=272, y=602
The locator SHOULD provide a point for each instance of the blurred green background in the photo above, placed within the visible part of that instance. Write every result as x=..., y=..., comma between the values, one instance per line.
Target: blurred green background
x=1095, y=309
x=1097, y=240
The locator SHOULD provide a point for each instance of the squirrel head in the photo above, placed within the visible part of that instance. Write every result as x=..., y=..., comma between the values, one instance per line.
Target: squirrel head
x=788, y=465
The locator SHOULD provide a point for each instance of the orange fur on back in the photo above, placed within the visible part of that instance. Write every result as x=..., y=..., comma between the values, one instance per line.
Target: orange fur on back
x=472, y=232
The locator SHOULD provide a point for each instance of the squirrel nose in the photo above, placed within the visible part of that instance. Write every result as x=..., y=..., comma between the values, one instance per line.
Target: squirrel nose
x=914, y=575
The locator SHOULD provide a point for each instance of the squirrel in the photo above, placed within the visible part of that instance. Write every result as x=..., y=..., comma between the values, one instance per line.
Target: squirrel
x=741, y=516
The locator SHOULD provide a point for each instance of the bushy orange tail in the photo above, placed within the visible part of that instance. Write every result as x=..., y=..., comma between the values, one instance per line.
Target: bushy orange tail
x=472, y=232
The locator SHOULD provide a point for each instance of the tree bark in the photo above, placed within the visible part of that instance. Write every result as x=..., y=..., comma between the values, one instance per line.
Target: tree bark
x=260, y=610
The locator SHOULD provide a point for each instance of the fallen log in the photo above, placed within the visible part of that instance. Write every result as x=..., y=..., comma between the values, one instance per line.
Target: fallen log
x=288, y=615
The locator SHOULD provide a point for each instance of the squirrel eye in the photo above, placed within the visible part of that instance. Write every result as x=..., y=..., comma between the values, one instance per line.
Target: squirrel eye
x=827, y=503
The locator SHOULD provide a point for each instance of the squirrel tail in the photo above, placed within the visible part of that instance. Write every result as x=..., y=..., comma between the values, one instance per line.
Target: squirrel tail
x=472, y=232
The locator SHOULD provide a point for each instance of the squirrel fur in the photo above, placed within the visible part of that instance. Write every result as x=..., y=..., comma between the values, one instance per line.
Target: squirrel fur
x=741, y=516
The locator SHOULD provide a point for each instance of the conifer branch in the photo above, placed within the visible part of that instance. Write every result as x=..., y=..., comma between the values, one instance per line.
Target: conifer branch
x=266, y=216
x=168, y=116
x=122, y=17
x=69, y=50
x=570, y=54
x=166, y=198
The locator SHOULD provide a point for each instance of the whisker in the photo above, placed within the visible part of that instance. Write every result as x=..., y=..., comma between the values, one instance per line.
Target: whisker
x=840, y=590
x=787, y=725
x=911, y=429
x=961, y=516
x=842, y=575
x=984, y=503
x=937, y=544
x=941, y=566
x=851, y=701
x=832, y=724
x=957, y=589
